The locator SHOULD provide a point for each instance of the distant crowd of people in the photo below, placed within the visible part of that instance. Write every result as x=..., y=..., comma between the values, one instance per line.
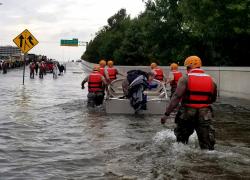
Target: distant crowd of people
x=41, y=69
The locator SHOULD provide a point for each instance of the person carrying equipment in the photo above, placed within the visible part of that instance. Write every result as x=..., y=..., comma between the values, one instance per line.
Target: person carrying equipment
x=96, y=87
x=196, y=91
x=174, y=77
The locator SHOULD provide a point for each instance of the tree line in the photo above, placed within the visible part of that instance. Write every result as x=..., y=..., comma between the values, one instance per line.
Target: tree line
x=170, y=30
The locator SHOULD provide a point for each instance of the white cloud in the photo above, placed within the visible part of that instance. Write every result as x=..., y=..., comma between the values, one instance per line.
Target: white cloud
x=51, y=20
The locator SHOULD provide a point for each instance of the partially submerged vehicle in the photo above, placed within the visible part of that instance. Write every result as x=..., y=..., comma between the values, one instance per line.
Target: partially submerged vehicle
x=116, y=103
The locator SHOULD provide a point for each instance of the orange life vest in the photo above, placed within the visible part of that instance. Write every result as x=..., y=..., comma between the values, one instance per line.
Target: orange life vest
x=112, y=72
x=200, y=89
x=95, y=82
x=177, y=76
x=158, y=74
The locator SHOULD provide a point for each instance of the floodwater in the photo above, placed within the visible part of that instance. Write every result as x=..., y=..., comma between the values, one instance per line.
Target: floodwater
x=47, y=132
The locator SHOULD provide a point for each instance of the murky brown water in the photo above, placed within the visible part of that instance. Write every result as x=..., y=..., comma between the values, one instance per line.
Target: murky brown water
x=47, y=132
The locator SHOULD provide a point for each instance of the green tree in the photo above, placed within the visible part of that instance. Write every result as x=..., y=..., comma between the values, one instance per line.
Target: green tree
x=220, y=29
x=170, y=30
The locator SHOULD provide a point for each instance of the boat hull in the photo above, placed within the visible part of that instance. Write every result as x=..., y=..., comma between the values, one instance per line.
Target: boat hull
x=122, y=106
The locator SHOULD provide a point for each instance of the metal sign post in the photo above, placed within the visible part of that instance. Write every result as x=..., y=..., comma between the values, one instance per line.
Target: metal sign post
x=24, y=64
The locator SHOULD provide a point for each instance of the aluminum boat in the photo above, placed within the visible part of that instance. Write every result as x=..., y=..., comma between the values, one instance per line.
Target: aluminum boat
x=116, y=103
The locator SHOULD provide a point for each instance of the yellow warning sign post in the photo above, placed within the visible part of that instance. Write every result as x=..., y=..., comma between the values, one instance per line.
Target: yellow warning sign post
x=25, y=41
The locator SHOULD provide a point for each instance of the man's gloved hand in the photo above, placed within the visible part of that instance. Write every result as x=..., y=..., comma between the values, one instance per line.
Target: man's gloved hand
x=83, y=87
x=164, y=118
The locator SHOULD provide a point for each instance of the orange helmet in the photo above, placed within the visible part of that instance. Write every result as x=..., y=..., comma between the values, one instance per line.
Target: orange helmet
x=193, y=62
x=153, y=65
x=110, y=63
x=174, y=66
x=102, y=63
x=96, y=68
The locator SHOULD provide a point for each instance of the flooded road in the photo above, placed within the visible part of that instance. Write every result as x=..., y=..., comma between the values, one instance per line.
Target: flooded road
x=47, y=132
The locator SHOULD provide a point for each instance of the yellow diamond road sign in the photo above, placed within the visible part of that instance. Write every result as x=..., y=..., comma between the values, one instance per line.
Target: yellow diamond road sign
x=25, y=41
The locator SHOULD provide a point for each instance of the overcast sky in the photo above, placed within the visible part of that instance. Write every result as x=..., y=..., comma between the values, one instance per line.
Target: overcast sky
x=52, y=20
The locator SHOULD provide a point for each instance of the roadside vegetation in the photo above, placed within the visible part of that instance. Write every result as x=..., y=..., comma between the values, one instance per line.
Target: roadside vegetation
x=169, y=31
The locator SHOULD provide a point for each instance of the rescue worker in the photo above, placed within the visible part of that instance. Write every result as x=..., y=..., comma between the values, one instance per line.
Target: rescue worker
x=159, y=75
x=103, y=71
x=174, y=77
x=32, y=70
x=96, y=87
x=41, y=70
x=112, y=71
x=196, y=91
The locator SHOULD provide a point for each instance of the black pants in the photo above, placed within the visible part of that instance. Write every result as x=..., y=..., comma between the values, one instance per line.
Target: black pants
x=41, y=75
x=190, y=119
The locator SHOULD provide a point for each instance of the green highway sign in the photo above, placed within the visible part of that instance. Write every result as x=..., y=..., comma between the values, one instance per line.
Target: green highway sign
x=66, y=42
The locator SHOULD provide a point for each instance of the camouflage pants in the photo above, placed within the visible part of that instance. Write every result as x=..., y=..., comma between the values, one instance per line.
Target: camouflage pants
x=190, y=119
x=95, y=99
x=173, y=88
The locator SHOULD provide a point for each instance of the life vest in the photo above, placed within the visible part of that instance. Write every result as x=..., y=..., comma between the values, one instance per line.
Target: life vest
x=102, y=71
x=112, y=72
x=32, y=67
x=95, y=82
x=200, y=89
x=158, y=74
x=177, y=76
x=42, y=67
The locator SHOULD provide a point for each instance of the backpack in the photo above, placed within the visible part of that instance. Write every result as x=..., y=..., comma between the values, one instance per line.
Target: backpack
x=133, y=74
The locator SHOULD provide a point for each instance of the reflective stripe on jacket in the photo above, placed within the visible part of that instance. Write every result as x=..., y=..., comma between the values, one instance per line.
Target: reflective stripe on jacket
x=95, y=82
x=200, y=89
